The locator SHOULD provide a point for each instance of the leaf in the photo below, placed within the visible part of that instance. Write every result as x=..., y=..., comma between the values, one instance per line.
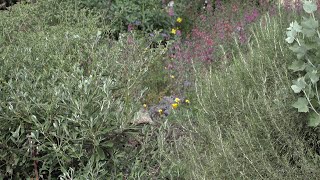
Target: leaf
x=314, y=120
x=309, y=91
x=301, y=104
x=16, y=133
x=297, y=66
x=309, y=6
x=291, y=36
x=299, y=50
x=290, y=39
x=298, y=85
x=309, y=26
x=295, y=27
x=313, y=75
x=101, y=153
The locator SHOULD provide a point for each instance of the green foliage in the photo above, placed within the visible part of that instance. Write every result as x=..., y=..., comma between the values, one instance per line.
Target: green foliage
x=146, y=16
x=306, y=44
x=243, y=126
x=68, y=95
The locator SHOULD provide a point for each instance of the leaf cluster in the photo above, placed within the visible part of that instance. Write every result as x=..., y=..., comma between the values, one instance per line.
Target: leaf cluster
x=305, y=40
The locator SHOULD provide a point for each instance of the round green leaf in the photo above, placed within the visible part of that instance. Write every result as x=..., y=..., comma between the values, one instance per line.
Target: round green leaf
x=298, y=85
x=309, y=6
x=297, y=66
x=301, y=104
x=314, y=120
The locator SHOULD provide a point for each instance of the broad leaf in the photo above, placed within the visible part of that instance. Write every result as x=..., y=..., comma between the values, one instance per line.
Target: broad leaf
x=291, y=36
x=309, y=26
x=298, y=85
x=299, y=50
x=309, y=91
x=295, y=27
x=309, y=6
x=290, y=39
x=314, y=76
x=301, y=104
x=297, y=66
x=314, y=120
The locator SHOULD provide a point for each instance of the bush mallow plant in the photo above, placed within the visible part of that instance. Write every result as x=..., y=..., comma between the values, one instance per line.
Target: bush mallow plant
x=305, y=40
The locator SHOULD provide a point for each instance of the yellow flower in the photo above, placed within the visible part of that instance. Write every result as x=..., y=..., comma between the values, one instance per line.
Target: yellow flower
x=174, y=105
x=173, y=31
x=160, y=111
x=177, y=100
x=144, y=105
x=172, y=76
x=179, y=19
x=187, y=101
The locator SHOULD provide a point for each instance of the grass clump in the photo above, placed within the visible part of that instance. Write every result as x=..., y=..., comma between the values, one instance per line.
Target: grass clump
x=244, y=127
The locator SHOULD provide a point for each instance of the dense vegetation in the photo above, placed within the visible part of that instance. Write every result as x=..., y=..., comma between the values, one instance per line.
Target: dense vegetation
x=143, y=90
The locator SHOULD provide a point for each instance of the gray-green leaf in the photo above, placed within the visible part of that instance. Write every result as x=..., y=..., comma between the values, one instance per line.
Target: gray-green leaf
x=313, y=75
x=299, y=50
x=314, y=119
x=301, y=104
x=298, y=85
x=295, y=26
x=297, y=66
x=309, y=6
x=309, y=26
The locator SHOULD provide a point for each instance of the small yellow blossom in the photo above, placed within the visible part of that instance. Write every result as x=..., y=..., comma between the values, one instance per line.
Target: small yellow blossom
x=187, y=101
x=144, y=105
x=177, y=100
x=173, y=31
x=179, y=19
x=160, y=111
x=174, y=105
x=172, y=76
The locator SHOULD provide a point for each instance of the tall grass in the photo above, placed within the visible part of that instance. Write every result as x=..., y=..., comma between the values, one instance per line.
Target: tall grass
x=245, y=127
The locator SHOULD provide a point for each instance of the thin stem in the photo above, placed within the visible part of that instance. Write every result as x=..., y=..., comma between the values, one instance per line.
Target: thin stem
x=310, y=103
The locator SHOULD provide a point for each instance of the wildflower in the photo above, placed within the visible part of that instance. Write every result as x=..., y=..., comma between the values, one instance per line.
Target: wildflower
x=177, y=100
x=187, y=101
x=172, y=76
x=160, y=111
x=173, y=31
x=174, y=105
x=130, y=27
x=171, y=3
x=179, y=19
x=144, y=105
x=178, y=33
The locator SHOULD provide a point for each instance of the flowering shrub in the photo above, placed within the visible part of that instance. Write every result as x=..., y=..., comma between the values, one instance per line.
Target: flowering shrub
x=144, y=15
x=216, y=29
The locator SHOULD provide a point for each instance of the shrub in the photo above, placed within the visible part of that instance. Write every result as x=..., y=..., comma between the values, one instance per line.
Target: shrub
x=68, y=94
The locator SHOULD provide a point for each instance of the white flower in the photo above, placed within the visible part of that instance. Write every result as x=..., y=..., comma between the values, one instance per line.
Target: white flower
x=171, y=3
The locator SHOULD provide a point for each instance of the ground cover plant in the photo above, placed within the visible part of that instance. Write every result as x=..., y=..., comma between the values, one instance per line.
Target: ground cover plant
x=204, y=97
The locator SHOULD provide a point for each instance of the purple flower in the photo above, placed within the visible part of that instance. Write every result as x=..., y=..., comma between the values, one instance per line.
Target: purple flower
x=130, y=27
x=171, y=11
x=178, y=33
